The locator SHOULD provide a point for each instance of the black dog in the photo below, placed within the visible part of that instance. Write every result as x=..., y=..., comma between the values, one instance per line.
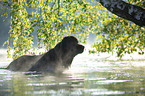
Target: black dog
x=55, y=60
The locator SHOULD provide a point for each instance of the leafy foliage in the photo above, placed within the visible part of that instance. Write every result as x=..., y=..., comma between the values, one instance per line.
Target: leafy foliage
x=119, y=35
x=53, y=19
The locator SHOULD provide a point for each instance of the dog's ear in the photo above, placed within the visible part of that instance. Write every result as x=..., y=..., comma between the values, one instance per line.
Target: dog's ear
x=63, y=43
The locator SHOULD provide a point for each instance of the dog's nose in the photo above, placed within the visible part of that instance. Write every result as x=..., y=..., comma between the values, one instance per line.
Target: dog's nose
x=80, y=48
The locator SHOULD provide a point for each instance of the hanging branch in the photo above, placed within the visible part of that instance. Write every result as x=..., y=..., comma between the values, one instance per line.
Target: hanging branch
x=125, y=10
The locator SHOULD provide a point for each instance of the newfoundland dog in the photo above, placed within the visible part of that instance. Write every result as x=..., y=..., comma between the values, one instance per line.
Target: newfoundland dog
x=55, y=60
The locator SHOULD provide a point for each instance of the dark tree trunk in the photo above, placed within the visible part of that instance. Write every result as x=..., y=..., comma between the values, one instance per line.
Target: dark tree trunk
x=125, y=10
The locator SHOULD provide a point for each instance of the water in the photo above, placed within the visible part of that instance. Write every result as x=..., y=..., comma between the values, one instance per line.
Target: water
x=89, y=75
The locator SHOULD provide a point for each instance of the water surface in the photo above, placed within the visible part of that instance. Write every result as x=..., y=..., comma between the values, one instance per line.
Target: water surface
x=89, y=75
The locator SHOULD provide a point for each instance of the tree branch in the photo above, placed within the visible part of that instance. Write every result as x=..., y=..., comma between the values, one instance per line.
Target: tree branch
x=125, y=10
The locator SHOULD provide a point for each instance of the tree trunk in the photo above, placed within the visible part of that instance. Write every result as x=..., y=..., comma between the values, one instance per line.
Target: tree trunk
x=125, y=10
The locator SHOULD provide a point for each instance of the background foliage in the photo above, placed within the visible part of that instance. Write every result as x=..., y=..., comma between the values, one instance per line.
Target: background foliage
x=119, y=35
x=54, y=19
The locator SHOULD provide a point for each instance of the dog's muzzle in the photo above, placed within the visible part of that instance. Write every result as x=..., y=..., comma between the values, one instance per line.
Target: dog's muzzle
x=80, y=48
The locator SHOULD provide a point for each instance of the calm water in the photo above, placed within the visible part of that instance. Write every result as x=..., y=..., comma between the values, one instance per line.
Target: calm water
x=89, y=75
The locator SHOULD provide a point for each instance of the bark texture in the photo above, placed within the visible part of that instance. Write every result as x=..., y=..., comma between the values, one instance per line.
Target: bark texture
x=125, y=10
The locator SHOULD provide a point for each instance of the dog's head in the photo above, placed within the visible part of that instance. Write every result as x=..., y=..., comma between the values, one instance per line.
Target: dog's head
x=69, y=49
x=70, y=45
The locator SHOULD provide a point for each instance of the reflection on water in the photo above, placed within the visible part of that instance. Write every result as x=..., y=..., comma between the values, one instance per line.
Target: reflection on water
x=89, y=75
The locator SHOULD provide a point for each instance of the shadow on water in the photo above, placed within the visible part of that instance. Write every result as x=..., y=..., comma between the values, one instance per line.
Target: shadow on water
x=88, y=76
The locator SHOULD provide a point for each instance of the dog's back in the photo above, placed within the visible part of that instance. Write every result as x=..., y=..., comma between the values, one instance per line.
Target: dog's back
x=23, y=63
